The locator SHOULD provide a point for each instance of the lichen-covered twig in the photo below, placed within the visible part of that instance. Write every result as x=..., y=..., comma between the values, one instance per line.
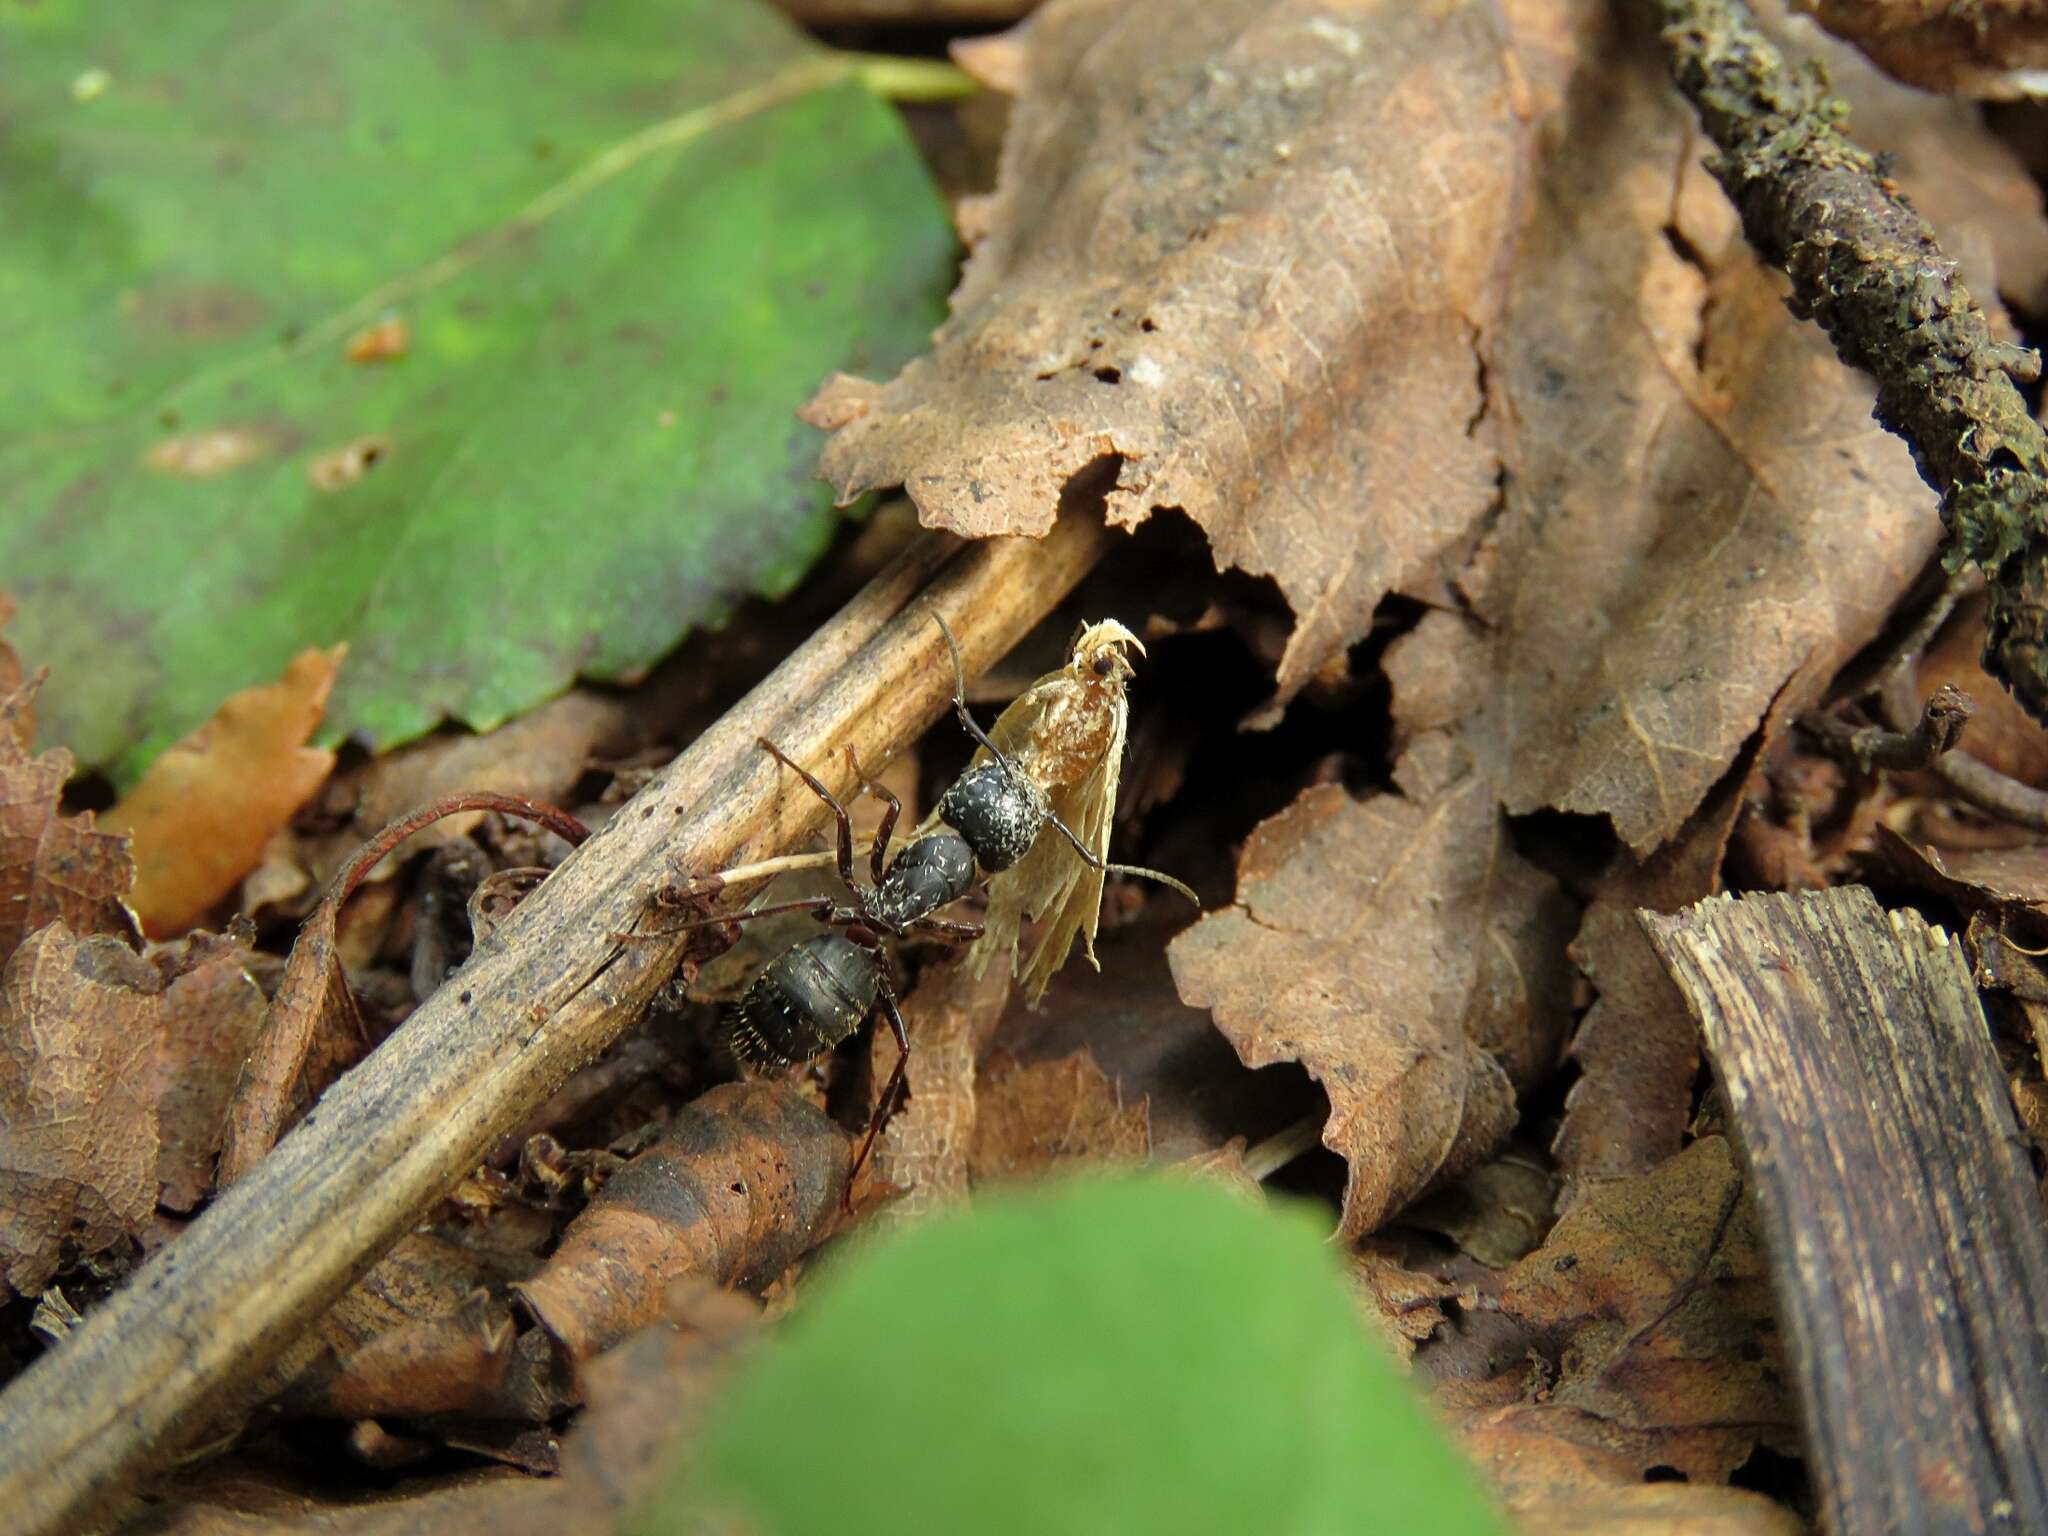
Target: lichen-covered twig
x=1868, y=270
x=1971, y=778
x=1904, y=742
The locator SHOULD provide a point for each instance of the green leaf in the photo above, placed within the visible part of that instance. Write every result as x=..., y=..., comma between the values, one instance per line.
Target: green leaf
x=1108, y=1356
x=628, y=240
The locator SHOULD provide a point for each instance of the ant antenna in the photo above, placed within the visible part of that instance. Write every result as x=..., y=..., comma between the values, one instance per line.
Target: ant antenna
x=960, y=702
x=1089, y=856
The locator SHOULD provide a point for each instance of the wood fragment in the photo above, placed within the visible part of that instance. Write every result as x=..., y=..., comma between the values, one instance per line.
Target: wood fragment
x=550, y=990
x=1905, y=1232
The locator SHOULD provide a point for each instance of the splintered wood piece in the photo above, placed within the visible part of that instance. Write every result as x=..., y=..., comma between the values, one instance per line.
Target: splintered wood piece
x=1904, y=1226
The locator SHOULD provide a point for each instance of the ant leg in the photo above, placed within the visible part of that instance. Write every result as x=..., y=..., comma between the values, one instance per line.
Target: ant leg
x=945, y=928
x=885, y=1105
x=826, y=795
x=1095, y=862
x=877, y=855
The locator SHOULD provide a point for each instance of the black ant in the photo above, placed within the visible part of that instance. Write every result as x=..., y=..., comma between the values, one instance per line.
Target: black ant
x=820, y=990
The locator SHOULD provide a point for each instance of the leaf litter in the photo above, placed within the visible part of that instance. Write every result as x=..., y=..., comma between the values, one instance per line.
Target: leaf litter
x=1430, y=316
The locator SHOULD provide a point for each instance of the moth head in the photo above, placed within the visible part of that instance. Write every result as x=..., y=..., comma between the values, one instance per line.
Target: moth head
x=1097, y=653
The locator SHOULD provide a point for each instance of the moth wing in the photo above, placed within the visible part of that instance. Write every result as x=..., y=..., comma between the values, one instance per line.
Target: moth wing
x=1071, y=901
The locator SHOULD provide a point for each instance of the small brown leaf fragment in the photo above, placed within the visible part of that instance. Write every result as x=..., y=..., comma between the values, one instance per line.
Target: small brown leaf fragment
x=1638, y=1052
x=1308, y=208
x=1032, y=1116
x=211, y=1011
x=79, y=1022
x=12, y=677
x=200, y=817
x=1656, y=1293
x=53, y=868
x=385, y=341
x=747, y=1179
x=1401, y=1305
x=1402, y=952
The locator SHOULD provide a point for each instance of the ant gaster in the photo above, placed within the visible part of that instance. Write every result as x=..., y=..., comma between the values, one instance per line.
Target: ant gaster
x=820, y=990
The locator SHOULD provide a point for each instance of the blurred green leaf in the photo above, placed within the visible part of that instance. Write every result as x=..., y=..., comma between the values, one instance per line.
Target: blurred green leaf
x=1107, y=1356
x=626, y=240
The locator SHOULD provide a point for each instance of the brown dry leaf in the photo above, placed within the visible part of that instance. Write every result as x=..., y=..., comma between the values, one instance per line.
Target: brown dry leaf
x=1401, y=951
x=1638, y=1051
x=210, y=1013
x=198, y=820
x=1153, y=1046
x=1700, y=519
x=1031, y=1116
x=427, y=1331
x=53, y=868
x=79, y=1026
x=924, y=1150
x=1558, y=1487
x=1655, y=1292
x=1248, y=249
x=1988, y=48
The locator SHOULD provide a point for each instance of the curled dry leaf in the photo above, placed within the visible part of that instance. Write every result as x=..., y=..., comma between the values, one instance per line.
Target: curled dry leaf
x=1699, y=518
x=1654, y=1293
x=1403, y=953
x=1638, y=1051
x=1308, y=206
x=79, y=1022
x=199, y=818
x=1031, y=1116
x=746, y=1180
x=53, y=868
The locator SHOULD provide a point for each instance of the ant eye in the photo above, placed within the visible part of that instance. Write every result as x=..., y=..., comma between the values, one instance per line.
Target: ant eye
x=1103, y=664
